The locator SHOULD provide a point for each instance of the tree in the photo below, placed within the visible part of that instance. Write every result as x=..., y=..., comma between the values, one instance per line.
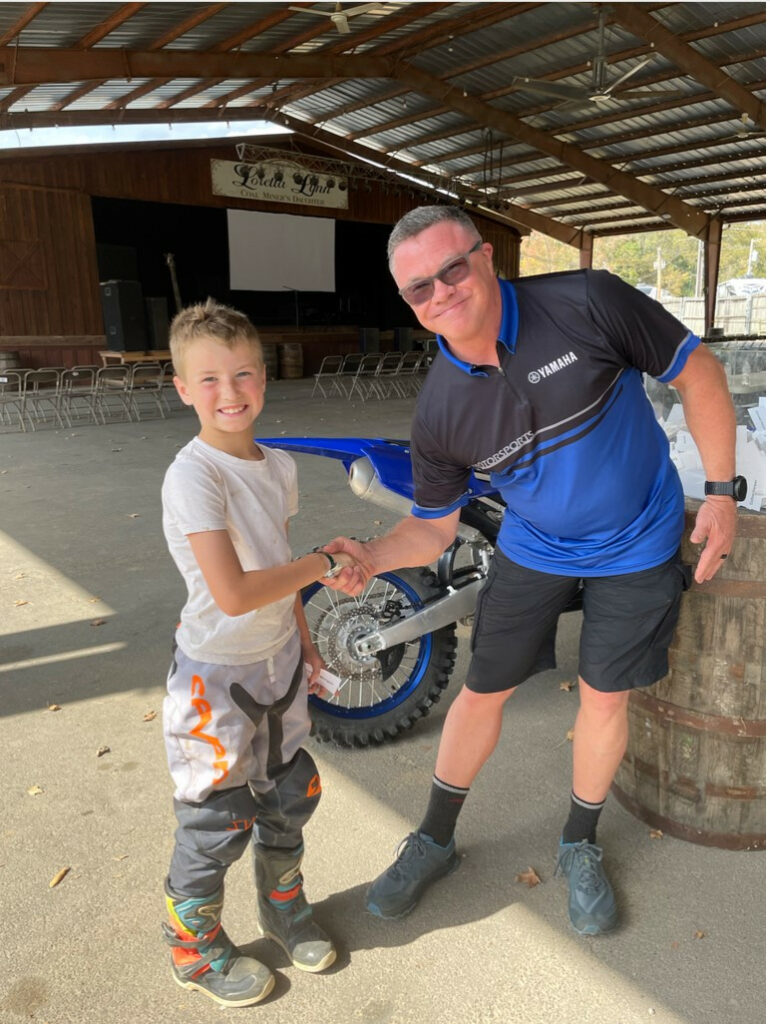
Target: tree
x=633, y=257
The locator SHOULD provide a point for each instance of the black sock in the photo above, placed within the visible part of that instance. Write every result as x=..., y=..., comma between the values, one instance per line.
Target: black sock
x=581, y=823
x=443, y=808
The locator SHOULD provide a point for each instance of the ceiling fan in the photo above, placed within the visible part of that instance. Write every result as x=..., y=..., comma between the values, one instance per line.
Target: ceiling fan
x=338, y=15
x=748, y=129
x=601, y=90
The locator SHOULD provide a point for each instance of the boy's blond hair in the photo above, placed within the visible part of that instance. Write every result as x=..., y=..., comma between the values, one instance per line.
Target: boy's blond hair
x=210, y=319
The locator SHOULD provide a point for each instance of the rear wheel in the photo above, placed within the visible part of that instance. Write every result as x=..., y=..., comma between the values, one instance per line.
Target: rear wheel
x=381, y=695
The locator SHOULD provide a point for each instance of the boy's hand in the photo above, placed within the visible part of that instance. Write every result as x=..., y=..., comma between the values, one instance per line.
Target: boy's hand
x=357, y=568
x=316, y=663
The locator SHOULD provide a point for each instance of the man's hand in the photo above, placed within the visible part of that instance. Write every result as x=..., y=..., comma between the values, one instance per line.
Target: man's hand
x=715, y=523
x=358, y=567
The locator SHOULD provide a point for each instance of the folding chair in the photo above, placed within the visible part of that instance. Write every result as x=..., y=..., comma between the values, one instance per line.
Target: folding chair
x=111, y=392
x=386, y=376
x=348, y=370
x=328, y=372
x=12, y=398
x=363, y=380
x=407, y=381
x=168, y=393
x=41, y=395
x=76, y=392
x=145, y=389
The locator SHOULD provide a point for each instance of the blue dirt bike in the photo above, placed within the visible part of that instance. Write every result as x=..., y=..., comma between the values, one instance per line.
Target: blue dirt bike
x=394, y=645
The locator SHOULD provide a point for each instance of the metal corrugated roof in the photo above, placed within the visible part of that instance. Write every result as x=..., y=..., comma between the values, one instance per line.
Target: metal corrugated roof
x=449, y=94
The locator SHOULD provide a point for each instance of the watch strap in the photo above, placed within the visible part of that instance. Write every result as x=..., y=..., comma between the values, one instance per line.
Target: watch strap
x=333, y=567
x=724, y=487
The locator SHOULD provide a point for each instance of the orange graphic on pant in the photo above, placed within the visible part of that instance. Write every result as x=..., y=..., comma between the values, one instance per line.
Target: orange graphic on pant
x=314, y=786
x=204, y=717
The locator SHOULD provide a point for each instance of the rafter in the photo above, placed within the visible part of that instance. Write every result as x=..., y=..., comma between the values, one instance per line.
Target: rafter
x=419, y=41
x=97, y=33
x=350, y=42
x=643, y=25
x=32, y=65
x=21, y=23
x=243, y=35
x=195, y=19
x=615, y=58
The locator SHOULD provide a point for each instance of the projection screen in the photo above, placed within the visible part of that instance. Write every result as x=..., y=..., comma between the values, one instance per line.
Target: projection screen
x=271, y=252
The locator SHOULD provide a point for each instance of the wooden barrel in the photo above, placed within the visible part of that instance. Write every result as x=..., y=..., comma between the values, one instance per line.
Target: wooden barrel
x=270, y=356
x=695, y=764
x=9, y=361
x=290, y=354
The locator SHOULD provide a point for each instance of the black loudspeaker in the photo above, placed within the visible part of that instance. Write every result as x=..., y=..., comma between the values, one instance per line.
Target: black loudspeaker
x=123, y=310
x=402, y=339
x=157, y=322
x=369, y=339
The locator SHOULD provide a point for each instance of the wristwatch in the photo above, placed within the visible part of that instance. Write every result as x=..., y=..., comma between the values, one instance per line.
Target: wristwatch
x=736, y=488
x=333, y=570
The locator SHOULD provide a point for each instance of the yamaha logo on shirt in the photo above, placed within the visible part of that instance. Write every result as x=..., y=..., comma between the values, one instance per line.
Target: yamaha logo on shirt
x=550, y=368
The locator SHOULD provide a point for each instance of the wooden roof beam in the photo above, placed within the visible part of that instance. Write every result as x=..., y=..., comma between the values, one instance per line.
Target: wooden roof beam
x=634, y=18
x=244, y=34
x=513, y=215
x=412, y=13
x=21, y=23
x=34, y=65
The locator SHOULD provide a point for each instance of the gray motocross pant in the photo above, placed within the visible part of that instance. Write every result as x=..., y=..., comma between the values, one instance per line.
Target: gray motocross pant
x=233, y=740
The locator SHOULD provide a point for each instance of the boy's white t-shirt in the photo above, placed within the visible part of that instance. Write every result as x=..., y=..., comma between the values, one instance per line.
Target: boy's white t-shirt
x=207, y=489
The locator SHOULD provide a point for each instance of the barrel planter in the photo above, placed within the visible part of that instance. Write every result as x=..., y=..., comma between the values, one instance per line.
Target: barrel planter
x=695, y=763
x=270, y=356
x=290, y=355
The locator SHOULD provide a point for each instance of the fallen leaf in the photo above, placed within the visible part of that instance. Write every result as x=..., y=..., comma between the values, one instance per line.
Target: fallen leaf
x=98, y=622
x=675, y=945
x=567, y=685
x=655, y=833
x=58, y=877
x=35, y=790
x=570, y=734
x=121, y=856
x=699, y=935
x=20, y=603
x=102, y=750
x=54, y=707
x=133, y=515
x=20, y=576
x=94, y=600
x=378, y=522
x=530, y=876
x=149, y=715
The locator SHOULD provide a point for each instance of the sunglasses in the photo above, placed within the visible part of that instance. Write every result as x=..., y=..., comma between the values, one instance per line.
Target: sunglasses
x=453, y=273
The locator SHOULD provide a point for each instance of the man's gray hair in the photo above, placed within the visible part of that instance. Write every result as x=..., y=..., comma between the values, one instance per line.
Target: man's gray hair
x=424, y=217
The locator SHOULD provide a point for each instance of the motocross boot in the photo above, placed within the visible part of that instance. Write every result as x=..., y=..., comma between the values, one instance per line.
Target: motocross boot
x=204, y=958
x=285, y=916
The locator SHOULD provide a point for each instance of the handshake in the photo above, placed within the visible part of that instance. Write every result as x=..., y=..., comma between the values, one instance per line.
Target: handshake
x=354, y=562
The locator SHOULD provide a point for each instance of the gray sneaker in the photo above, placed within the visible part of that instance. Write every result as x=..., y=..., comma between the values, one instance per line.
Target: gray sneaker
x=419, y=863
x=591, y=901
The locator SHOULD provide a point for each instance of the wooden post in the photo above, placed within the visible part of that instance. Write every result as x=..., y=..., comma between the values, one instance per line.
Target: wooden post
x=711, y=254
x=586, y=250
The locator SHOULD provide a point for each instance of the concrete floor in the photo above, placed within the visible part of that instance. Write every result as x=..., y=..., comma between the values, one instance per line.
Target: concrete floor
x=90, y=598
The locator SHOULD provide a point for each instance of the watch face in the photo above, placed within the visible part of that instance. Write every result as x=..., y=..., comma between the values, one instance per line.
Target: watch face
x=740, y=488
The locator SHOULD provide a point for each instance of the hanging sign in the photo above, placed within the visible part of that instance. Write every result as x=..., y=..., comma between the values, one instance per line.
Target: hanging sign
x=279, y=181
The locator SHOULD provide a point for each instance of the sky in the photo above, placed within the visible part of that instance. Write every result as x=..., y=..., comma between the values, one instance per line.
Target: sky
x=23, y=138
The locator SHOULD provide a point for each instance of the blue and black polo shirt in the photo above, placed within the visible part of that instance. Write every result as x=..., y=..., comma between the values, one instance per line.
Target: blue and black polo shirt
x=563, y=428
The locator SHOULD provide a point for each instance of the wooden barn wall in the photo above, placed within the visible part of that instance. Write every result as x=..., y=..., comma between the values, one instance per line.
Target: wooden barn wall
x=50, y=311
x=50, y=308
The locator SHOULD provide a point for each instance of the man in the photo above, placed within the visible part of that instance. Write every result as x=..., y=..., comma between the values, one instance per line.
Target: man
x=539, y=383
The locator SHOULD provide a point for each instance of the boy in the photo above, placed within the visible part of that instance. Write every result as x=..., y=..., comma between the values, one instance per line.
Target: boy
x=236, y=712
